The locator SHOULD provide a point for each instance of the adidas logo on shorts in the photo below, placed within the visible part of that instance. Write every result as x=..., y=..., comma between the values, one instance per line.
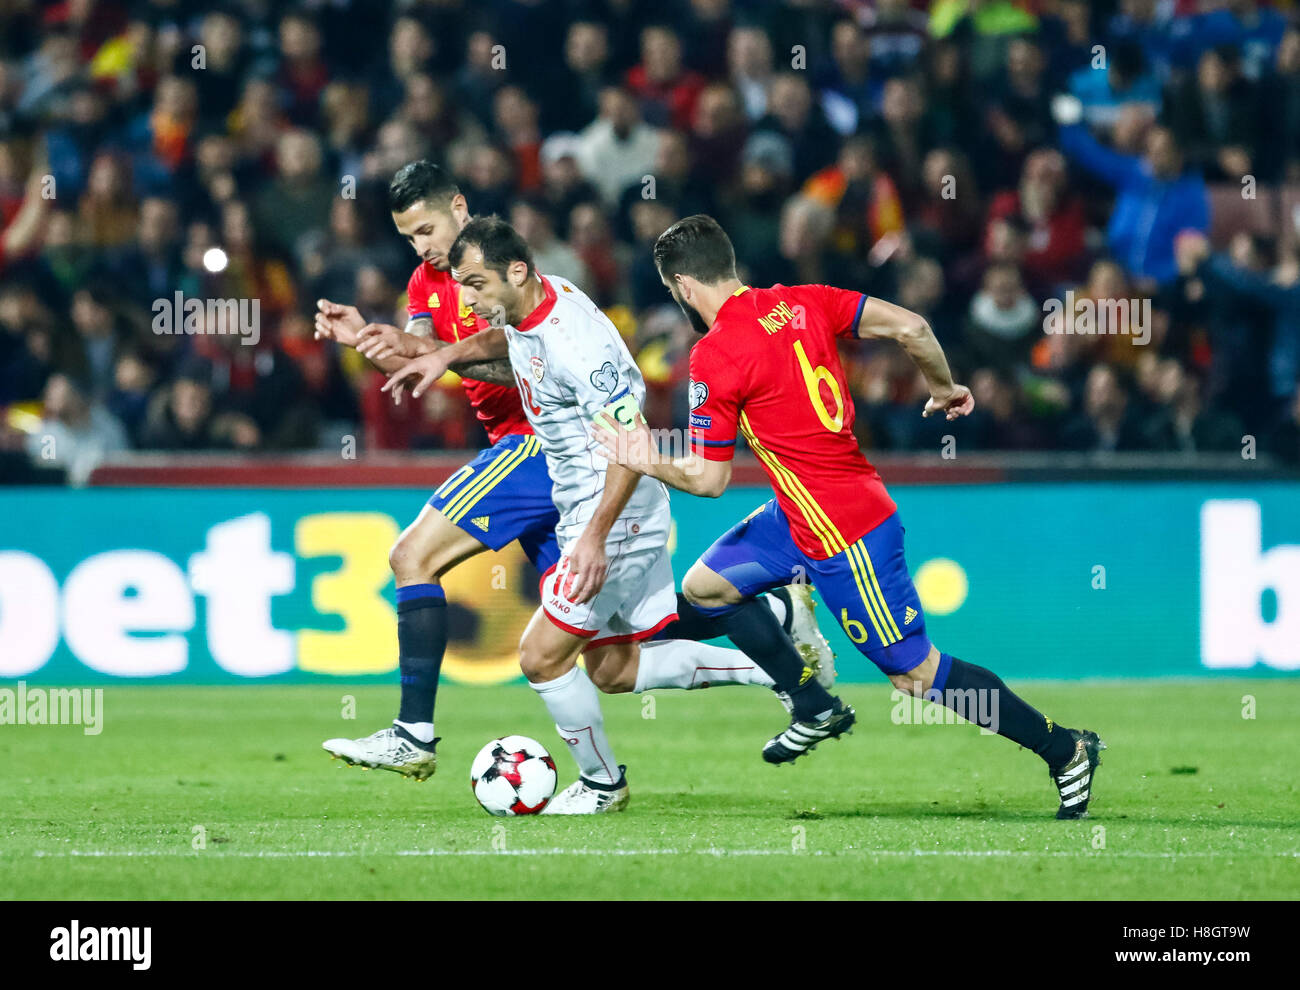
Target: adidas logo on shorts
x=481, y=522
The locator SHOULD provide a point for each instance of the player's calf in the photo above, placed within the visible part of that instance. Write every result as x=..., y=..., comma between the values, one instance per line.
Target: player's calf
x=980, y=696
x=613, y=668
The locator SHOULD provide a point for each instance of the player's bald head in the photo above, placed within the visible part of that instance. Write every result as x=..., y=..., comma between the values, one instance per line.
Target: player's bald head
x=492, y=243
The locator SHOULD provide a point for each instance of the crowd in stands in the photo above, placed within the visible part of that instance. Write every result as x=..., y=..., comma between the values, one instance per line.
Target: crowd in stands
x=1095, y=205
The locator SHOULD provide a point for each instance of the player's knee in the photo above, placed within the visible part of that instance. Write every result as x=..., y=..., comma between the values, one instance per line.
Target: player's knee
x=920, y=678
x=403, y=559
x=909, y=683
x=538, y=664
x=532, y=662
x=706, y=588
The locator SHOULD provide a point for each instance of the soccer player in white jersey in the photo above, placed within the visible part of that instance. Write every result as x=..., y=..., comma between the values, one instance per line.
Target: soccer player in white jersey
x=613, y=586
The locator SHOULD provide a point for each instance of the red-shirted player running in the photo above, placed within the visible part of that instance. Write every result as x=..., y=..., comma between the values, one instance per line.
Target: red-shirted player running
x=768, y=368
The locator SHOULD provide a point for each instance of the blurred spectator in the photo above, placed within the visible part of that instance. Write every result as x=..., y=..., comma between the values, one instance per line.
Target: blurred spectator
x=1121, y=79
x=754, y=216
x=899, y=139
x=96, y=326
x=845, y=86
x=1106, y=422
x=1054, y=220
x=515, y=116
x=1278, y=293
x=945, y=219
x=1180, y=420
x=666, y=88
x=896, y=35
x=564, y=185
x=551, y=255
x=593, y=240
x=1003, y=321
x=133, y=382
x=1019, y=114
x=298, y=200
x=863, y=196
x=303, y=73
x=618, y=148
x=1279, y=157
x=586, y=58
x=224, y=63
x=718, y=135
x=1156, y=198
x=750, y=68
x=792, y=113
x=75, y=433
x=1213, y=117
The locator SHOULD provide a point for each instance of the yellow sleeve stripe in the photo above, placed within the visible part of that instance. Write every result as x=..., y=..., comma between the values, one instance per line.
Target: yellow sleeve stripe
x=832, y=541
x=500, y=467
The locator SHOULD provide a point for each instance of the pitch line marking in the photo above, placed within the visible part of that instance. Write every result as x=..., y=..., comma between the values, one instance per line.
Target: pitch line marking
x=714, y=852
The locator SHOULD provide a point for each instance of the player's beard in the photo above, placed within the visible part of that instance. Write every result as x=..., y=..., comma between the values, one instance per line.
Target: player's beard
x=695, y=319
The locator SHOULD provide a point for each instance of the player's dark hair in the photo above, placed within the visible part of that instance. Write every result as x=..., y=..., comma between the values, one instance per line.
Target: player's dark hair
x=696, y=246
x=500, y=243
x=421, y=181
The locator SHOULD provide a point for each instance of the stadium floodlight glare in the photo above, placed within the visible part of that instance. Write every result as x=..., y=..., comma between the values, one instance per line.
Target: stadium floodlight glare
x=215, y=260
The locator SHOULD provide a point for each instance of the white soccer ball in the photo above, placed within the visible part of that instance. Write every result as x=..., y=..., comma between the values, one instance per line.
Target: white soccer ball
x=513, y=775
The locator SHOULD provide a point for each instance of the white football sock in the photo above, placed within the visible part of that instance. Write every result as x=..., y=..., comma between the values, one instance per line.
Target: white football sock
x=776, y=606
x=684, y=663
x=574, y=704
x=422, y=731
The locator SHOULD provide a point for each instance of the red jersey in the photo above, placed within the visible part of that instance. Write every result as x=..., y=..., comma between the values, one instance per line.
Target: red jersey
x=436, y=295
x=770, y=370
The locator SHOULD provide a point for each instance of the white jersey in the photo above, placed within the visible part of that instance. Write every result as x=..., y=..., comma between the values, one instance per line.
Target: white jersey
x=571, y=363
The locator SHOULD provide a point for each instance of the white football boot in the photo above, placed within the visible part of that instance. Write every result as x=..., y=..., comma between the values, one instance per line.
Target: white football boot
x=585, y=798
x=808, y=639
x=388, y=749
x=801, y=626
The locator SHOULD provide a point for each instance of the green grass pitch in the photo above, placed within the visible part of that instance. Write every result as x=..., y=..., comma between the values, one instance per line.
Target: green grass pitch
x=1192, y=801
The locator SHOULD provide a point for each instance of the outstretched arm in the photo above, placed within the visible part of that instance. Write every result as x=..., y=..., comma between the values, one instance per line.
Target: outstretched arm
x=388, y=349
x=486, y=346
x=1218, y=268
x=884, y=320
x=1111, y=166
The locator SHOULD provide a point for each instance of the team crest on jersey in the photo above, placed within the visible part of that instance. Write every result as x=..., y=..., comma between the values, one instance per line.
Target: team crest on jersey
x=539, y=368
x=605, y=378
x=699, y=394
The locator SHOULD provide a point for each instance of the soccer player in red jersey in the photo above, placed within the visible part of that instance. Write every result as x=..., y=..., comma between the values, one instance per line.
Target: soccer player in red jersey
x=768, y=369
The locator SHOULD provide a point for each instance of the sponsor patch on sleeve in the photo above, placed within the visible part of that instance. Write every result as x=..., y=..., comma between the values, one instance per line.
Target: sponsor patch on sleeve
x=701, y=422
